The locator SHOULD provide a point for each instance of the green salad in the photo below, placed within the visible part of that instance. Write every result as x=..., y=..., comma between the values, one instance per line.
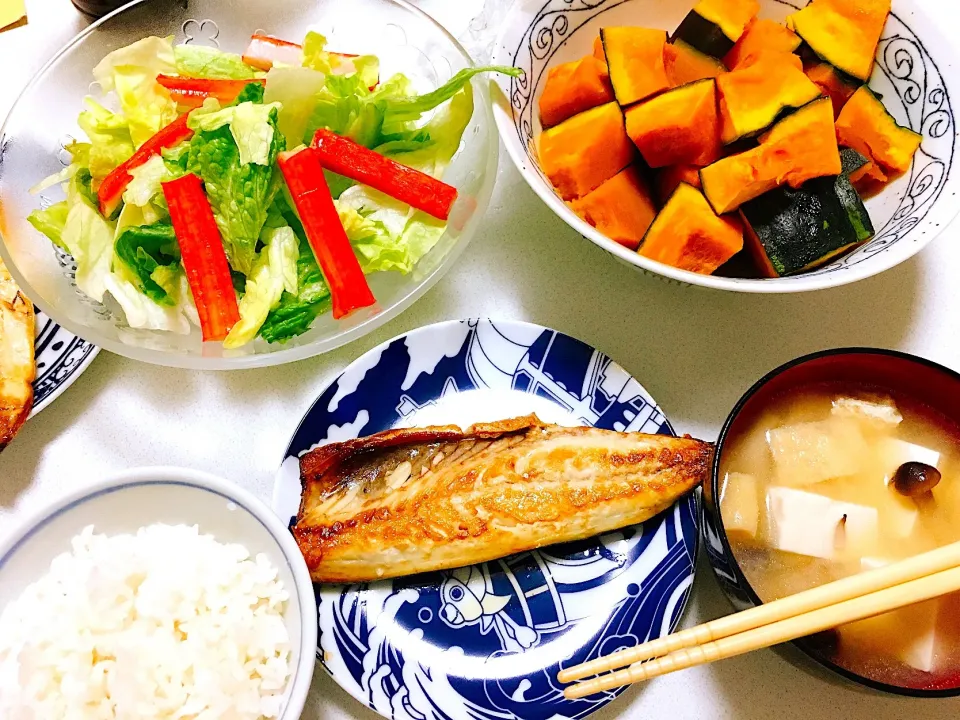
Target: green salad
x=248, y=195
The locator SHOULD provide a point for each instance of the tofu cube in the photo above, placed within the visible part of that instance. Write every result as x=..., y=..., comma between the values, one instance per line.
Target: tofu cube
x=740, y=507
x=894, y=452
x=875, y=411
x=809, y=524
x=908, y=634
x=812, y=452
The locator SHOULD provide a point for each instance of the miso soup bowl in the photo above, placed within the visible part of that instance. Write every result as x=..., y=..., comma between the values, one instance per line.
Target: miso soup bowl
x=913, y=72
x=907, y=375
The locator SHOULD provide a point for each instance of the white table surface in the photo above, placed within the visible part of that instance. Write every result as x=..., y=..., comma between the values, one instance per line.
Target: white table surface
x=695, y=350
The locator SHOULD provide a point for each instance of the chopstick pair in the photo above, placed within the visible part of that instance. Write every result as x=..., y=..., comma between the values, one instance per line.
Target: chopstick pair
x=858, y=597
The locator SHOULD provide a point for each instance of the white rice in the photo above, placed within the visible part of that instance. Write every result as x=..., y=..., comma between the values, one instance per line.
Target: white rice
x=165, y=624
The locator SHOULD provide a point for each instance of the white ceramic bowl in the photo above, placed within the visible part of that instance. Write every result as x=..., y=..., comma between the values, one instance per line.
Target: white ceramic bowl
x=45, y=117
x=914, y=72
x=136, y=498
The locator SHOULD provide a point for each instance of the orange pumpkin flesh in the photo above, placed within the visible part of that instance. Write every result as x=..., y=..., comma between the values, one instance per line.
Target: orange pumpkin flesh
x=688, y=235
x=581, y=153
x=755, y=95
x=800, y=147
x=832, y=84
x=678, y=126
x=635, y=61
x=685, y=64
x=621, y=208
x=669, y=178
x=761, y=36
x=598, y=52
x=844, y=33
x=573, y=87
x=867, y=127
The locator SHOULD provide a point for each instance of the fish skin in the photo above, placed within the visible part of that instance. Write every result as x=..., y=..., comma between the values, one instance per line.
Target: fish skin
x=415, y=500
x=18, y=368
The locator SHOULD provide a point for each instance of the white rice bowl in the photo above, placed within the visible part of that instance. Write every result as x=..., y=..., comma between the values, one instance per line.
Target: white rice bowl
x=167, y=623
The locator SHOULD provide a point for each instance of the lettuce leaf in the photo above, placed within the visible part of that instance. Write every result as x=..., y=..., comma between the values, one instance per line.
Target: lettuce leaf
x=295, y=313
x=110, y=139
x=239, y=193
x=295, y=88
x=201, y=61
x=88, y=237
x=251, y=125
x=317, y=57
x=142, y=312
x=51, y=222
x=274, y=273
x=144, y=187
x=132, y=72
x=145, y=248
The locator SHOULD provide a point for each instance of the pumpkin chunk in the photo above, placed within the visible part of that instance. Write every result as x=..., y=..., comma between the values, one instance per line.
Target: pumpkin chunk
x=867, y=127
x=756, y=95
x=621, y=208
x=845, y=33
x=791, y=231
x=679, y=126
x=598, y=52
x=832, y=83
x=714, y=26
x=573, y=87
x=635, y=60
x=688, y=235
x=584, y=151
x=759, y=37
x=685, y=64
x=800, y=147
x=669, y=178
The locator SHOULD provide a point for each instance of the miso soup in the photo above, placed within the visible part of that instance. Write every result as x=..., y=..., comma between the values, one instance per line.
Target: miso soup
x=828, y=481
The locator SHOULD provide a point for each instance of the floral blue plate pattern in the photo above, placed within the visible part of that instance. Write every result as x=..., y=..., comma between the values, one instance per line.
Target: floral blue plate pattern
x=487, y=641
x=61, y=358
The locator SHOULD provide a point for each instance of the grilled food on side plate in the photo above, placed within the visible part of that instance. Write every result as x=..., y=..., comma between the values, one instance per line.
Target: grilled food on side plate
x=413, y=500
x=18, y=367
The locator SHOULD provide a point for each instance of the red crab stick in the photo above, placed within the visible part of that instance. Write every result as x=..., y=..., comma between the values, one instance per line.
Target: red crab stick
x=111, y=189
x=204, y=260
x=191, y=92
x=345, y=157
x=303, y=173
x=265, y=50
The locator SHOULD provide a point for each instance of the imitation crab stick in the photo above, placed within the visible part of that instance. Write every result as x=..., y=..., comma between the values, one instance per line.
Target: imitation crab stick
x=111, y=189
x=303, y=174
x=204, y=260
x=191, y=92
x=345, y=157
x=265, y=50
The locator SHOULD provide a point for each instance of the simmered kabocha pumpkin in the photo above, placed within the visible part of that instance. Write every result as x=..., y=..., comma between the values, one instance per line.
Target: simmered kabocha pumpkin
x=837, y=86
x=714, y=26
x=761, y=36
x=573, y=87
x=845, y=33
x=635, y=60
x=866, y=126
x=754, y=96
x=621, y=208
x=685, y=64
x=789, y=231
x=800, y=147
x=678, y=126
x=669, y=178
x=688, y=235
x=588, y=149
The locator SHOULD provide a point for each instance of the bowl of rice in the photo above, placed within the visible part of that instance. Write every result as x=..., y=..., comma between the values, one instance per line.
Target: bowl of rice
x=161, y=593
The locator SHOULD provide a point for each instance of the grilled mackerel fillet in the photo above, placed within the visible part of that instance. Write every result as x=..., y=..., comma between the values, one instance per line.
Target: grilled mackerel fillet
x=413, y=500
x=18, y=367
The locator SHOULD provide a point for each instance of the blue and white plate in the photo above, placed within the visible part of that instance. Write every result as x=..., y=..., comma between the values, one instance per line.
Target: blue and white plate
x=486, y=642
x=61, y=359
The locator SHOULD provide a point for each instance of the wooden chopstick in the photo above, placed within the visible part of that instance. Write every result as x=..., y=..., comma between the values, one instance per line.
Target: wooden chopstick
x=791, y=628
x=830, y=594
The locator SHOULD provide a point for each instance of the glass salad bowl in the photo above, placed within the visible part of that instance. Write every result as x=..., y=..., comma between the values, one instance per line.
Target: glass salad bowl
x=44, y=121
